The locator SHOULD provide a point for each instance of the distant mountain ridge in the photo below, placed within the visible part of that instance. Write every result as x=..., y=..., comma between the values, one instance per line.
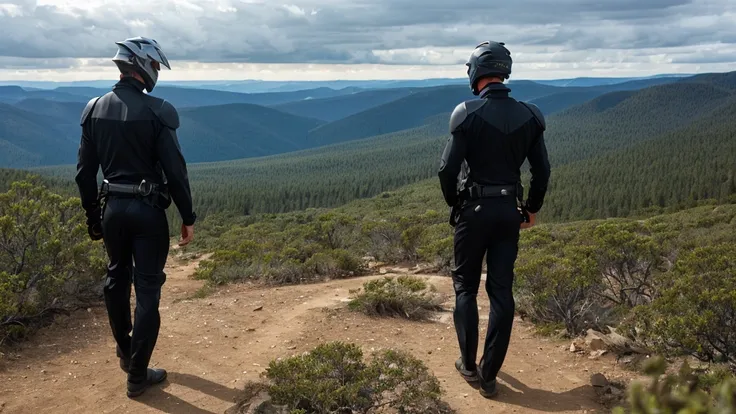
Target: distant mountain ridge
x=36, y=131
x=621, y=152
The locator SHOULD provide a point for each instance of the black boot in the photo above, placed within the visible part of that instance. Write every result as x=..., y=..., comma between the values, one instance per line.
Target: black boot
x=488, y=389
x=153, y=376
x=468, y=375
x=124, y=364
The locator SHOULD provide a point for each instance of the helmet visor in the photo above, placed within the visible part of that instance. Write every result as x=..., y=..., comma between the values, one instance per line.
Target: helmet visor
x=161, y=59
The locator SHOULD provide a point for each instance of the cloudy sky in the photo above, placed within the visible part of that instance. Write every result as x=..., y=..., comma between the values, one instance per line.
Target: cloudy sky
x=363, y=39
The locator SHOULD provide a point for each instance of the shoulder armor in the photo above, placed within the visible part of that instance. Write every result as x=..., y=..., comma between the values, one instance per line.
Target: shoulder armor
x=537, y=114
x=88, y=110
x=166, y=113
x=462, y=111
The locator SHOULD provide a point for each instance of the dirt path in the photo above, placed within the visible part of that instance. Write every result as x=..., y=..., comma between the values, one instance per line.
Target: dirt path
x=212, y=346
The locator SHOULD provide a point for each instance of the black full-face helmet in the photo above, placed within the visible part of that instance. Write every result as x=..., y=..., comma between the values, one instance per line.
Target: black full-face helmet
x=488, y=59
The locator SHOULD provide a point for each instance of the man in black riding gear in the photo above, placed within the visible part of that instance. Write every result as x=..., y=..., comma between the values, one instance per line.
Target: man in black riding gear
x=132, y=136
x=480, y=178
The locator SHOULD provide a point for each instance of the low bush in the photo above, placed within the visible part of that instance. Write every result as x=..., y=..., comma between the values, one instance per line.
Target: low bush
x=679, y=393
x=695, y=312
x=47, y=262
x=334, y=378
x=404, y=296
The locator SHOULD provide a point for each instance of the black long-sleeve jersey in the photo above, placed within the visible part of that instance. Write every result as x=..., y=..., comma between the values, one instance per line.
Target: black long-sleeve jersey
x=495, y=134
x=132, y=136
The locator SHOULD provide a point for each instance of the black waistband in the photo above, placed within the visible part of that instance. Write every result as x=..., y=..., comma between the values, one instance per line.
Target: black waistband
x=143, y=189
x=487, y=191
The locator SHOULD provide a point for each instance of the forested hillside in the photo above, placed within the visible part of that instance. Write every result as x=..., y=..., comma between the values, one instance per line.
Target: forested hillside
x=210, y=133
x=624, y=118
x=675, y=170
x=409, y=112
x=226, y=132
x=34, y=139
x=608, y=158
x=237, y=125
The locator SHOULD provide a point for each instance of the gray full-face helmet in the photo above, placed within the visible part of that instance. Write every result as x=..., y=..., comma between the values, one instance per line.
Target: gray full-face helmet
x=143, y=56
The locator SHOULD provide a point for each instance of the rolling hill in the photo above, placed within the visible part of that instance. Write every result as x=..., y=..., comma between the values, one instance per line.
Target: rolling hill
x=620, y=134
x=621, y=119
x=338, y=107
x=223, y=135
x=226, y=132
x=179, y=96
x=33, y=139
x=411, y=111
x=210, y=133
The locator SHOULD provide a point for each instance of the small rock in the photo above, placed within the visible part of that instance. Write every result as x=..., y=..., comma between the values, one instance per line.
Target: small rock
x=573, y=348
x=597, y=354
x=258, y=309
x=598, y=380
x=597, y=344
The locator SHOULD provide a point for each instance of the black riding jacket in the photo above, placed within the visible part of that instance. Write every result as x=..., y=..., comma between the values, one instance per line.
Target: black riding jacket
x=495, y=134
x=132, y=135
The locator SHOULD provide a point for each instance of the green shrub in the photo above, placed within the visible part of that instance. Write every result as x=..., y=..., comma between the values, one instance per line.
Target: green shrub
x=678, y=393
x=695, y=313
x=405, y=296
x=47, y=262
x=334, y=378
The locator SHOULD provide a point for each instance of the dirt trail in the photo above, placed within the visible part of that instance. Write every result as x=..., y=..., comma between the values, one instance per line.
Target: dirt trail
x=212, y=346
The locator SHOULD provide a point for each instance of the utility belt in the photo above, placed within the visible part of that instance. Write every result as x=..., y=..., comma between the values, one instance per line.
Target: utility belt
x=488, y=191
x=477, y=192
x=149, y=193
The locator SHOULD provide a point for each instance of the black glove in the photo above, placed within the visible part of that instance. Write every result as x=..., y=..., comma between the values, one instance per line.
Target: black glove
x=95, y=231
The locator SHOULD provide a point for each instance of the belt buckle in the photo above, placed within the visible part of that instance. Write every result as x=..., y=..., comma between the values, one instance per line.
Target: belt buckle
x=149, y=188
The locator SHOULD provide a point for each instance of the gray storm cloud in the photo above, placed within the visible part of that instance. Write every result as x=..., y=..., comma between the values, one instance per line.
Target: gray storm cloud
x=361, y=31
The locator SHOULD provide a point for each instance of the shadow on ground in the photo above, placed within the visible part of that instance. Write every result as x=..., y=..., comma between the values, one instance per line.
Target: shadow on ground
x=514, y=392
x=158, y=398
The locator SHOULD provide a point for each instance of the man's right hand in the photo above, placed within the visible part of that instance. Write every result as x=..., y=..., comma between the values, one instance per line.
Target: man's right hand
x=187, y=235
x=532, y=221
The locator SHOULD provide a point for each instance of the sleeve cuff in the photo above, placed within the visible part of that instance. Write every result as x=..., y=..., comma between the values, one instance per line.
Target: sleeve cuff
x=189, y=221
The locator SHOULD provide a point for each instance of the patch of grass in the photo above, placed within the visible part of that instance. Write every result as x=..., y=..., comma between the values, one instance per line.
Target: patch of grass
x=334, y=378
x=409, y=297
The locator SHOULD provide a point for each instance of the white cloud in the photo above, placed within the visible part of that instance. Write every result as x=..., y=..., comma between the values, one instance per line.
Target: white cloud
x=571, y=36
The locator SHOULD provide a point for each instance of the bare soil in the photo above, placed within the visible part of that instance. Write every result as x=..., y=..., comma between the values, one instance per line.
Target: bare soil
x=212, y=346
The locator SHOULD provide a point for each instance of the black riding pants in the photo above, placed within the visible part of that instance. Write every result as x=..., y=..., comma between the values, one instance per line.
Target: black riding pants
x=137, y=242
x=491, y=231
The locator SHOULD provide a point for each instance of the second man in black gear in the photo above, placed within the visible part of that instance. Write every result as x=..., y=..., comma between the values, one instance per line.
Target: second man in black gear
x=491, y=137
x=132, y=136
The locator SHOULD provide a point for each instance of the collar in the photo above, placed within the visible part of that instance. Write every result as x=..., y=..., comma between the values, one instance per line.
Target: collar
x=495, y=90
x=129, y=82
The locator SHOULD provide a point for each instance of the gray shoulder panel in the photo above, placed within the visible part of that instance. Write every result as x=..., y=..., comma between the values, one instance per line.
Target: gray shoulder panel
x=165, y=112
x=537, y=114
x=462, y=111
x=88, y=110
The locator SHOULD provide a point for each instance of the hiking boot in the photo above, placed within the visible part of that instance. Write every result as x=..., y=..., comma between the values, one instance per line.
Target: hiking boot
x=470, y=376
x=153, y=376
x=487, y=389
x=124, y=364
